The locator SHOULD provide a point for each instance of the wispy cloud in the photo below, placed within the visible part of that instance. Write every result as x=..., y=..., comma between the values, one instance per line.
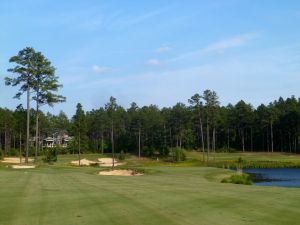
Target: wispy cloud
x=163, y=49
x=130, y=20
x=101, y=69
x=153, y=62
x=220, y=46
x=234, y=42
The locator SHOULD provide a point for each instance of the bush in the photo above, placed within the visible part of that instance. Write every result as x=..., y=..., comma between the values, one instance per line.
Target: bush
x=14, y=152
x=1, y=154
x=164, y=151
x=238, y=179
x=177, y=154
x=148, y=151
x=121, y=156
x=50, y=155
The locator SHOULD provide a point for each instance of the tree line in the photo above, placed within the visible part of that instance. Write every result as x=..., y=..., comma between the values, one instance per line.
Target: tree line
x=202, y=125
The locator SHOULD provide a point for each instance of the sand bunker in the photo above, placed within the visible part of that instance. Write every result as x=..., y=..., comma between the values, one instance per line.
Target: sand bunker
x=83, y=162
x=15, y=160
x=119, y=173
x=107, y=162
x=22, y=167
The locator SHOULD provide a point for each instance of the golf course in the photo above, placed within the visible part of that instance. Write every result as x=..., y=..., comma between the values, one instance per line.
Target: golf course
x=165, y=194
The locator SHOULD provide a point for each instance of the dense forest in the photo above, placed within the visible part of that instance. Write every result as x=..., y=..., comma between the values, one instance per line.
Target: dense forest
x=201, y=124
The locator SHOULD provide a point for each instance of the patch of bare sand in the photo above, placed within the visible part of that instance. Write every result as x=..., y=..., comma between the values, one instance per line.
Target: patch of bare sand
x=108, y=162
x=22, y=167
x=15, y=160
x=83, y=162
x=119, y=173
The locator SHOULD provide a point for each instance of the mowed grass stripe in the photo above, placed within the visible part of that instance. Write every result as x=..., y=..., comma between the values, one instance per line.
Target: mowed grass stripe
x=172, y=196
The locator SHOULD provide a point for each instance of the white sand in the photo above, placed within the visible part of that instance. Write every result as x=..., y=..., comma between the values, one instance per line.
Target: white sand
x=83, y=162
x=119, y=173
x=15, y=160
x=22, y=167
x=108, y=162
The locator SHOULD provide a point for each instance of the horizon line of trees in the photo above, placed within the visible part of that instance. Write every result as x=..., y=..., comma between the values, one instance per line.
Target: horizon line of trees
x=202, y=125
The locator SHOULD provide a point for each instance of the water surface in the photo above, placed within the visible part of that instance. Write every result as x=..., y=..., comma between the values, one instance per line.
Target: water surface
x=283, y=177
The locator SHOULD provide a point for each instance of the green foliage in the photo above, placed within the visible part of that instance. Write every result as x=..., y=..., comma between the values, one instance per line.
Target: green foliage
x=1, y=154
x=148, y=151
x=164, y=152
x=50, y=155
x=238, y=179
x=14, y=152
x=177, y=154
x=121, y=156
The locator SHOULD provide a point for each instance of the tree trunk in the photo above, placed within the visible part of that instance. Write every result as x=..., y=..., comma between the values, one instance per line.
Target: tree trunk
x=20, y=147
x=28, y=124
x=281, y=142
x=170, y=133
x=14, y=141
x=268, y=144
x=243, y=140
x=202, y=136
x=251, y=133
x=207, y=137
x=272, y=143
x=214, y=141
x=5, y=141
x=36, y=130
x=112, y=145
x=165, y=136
x=228, y=140
x=102, y=143
x=290, y=145
x=79, y=149
x=139, y=142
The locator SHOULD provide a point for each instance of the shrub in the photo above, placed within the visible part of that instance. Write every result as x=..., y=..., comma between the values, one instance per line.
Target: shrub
x=148, y=151
x=121, y=156
x=177, y=154
x=1, y=154
x=14, y=152
x=238, y=179
x=50, y=155
x=164, y=151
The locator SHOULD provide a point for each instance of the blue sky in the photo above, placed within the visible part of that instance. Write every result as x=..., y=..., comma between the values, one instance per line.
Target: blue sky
x=160, y=52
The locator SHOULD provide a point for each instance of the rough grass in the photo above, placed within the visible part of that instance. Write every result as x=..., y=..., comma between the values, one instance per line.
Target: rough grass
x=173, y=195
x=250, y=160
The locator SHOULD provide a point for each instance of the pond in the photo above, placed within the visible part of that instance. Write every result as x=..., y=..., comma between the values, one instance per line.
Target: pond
x=282, y=177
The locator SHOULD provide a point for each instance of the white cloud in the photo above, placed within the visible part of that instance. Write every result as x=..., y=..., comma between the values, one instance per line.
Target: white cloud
x=163, y=49
x=101, y=69
x=220, y=46
x=234, y=42
x=153, y=62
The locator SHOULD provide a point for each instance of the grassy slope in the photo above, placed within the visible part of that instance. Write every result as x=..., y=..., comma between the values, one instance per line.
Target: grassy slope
x=251, y=156
x=188, y=195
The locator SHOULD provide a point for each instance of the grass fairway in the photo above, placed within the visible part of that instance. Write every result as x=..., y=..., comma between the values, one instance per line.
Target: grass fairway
x=183, y=195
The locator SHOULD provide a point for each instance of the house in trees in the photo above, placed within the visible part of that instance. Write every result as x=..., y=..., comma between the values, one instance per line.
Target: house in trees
x=49, y=142
x=57, y=141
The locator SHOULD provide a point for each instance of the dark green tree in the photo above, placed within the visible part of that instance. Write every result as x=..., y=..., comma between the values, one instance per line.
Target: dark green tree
x=80, y=129
x=25, y=79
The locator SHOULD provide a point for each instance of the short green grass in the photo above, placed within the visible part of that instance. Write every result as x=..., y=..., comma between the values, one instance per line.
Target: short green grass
x=62, y=194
